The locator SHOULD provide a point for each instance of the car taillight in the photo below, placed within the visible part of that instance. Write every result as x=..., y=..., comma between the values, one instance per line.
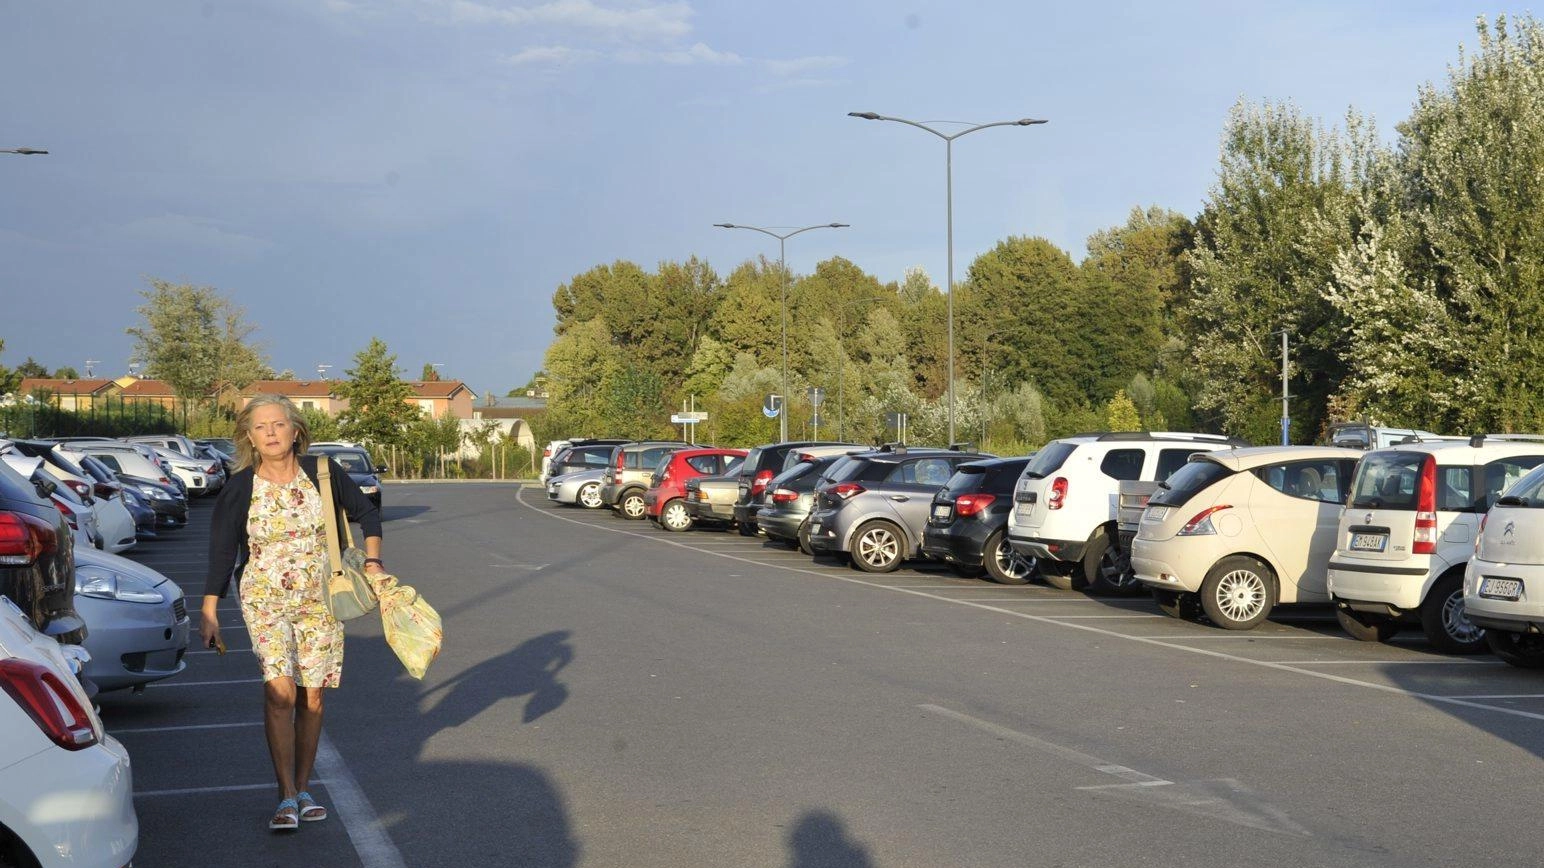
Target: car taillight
x=1058, y=496
x=759, y=484
x=164, y=481
x=845, y=490
x=1201, y=523
x=784, y=495
x=104, y=490
x=79, y=487
x=212, y=468
x=970, y=504
x=69, y=514
x=51, y=705
x=1425, y=541
x=546, y=453
x=621, y=461
x=1480, y=534
x=23, y=539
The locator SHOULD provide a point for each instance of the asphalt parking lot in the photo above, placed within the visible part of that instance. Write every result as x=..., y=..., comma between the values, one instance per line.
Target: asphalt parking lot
x=612, y=694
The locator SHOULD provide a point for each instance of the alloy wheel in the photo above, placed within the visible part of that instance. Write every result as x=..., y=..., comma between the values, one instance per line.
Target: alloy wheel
x=878, y=548
x=633, y=506
x=1457, y=623
x=674, y=516
x=1241, y=594
x=589, y=496
x=1012, y=564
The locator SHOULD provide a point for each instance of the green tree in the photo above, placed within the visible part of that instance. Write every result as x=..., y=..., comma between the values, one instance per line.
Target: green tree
x=1022, y=291
x=9, y=379
x=30, y=369
x=378, y=410
x=1121, y=413
x=581, y=365
x=66, y=373
x=430, y=373
x=195, y=340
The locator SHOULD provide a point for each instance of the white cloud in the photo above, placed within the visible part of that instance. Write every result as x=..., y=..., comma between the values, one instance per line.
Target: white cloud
x=697, y=54
x=200, y=232
x=798, y=66
x=647, y=21
x=556, y=55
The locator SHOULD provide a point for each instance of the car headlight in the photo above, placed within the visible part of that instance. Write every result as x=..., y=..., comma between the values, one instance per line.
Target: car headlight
x=369, y=489
x=153, y=493
x=105, y=584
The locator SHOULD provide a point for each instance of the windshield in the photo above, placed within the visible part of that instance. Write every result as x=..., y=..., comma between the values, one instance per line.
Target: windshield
x=752, y=458
x=1049, y=460
x=1387, y=480
x=353, y=462
x=1187, y=482
x=1527, y=492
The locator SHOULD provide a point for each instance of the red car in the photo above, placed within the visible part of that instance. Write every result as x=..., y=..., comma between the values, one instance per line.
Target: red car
x=664, y=502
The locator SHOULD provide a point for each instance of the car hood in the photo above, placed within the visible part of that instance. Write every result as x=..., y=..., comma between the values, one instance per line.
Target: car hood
x=88, y=556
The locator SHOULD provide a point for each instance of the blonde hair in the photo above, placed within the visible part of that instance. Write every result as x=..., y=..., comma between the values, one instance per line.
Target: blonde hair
x=246, y=453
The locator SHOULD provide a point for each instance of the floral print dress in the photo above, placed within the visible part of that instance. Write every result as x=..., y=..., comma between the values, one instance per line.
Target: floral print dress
x=292, y=632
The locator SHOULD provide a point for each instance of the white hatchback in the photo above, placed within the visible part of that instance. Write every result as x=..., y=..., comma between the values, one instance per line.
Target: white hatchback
x=1504, y=582
x=1409, y=529
x=1242, y=530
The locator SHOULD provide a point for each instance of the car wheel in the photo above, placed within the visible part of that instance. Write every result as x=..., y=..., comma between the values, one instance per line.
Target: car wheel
x=877, y=547
x=1444, y=622
x=1058, y=574
x=589, y=496
x=746, y=528
x=674, y=516
x=1096, y=559
x=1177, y=604
x=1112, y=573
x=1524, y=651
x=633, y=506
x=1237, y=594
x=804, y=538
x=1365, y=627
x=1004, y=565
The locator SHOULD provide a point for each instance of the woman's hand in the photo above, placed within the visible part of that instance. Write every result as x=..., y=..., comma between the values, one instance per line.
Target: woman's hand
x=209, y=622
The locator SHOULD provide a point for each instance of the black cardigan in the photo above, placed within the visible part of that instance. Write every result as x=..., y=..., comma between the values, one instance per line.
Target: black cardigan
x=228, y=527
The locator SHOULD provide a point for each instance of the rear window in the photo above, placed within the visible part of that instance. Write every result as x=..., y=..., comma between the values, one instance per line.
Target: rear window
x=1504, y=473
x=966, y=479
x=1187, y=482
x=1322, y=480
x=1387, y=480
x=707, y=464
x=752, y=459
x=1049, y=460
x=1528, y=491
x=110, y=462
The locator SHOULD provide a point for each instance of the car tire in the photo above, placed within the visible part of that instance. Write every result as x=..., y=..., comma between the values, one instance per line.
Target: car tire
x=1178, y=604
x=1525, y=651
x=589, y=496
x=1365, y=627
x=878, y=547
x=1238, y=593
x=632, y=505
x=1443, y=620
x=1058, y=574
x=804, y=538
x=1111, y=574
x=674, y=517
x=1004, y=565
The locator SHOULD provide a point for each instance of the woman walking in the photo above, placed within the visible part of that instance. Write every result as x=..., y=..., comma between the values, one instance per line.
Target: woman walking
x=269, y=532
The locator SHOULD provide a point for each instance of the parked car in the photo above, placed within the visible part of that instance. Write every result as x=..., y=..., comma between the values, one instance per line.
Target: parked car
x=1360, y=435
x=1064, y=504
x=761, y=464
x=785, y=503
x=227, y=460
x=665, y=500
x=1409, y=530
x=106, y=522
x=356, y=461
x=77, y=513
x=225, y=445
x=37, y=558
x=967, y=526
x=138, y=617
x=66, y=786
x=874, y=508
x=1242, y=530
x=579, y=454
x=580, y=488
x=628, y=471
x=144, y=515
x=158, y=458
x=175, y=443
x=1504, y=581
x=200, y=475
x=120, y=458
x=107, y=487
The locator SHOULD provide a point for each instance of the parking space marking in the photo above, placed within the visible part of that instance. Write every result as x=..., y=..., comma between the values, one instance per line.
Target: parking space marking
x=354, y=810
x=1393, y=662
x=164, y=684
x=1295, y=668
x=1242, y=636
x=184, y=728
x=190, y=791
x=1100, y=617
x=1504, y=696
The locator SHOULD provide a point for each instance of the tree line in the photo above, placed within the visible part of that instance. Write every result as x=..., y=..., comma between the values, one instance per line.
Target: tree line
x=1406, y=275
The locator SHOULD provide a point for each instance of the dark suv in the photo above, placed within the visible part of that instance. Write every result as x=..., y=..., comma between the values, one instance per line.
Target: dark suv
x=37, y=559
x=967, y=525
x=874, y=505
x=761, y=464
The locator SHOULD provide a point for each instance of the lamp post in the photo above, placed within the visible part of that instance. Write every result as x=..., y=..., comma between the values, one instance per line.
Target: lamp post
x=25, y=152
x=782, y=264
x=841, y=366
x=949, y=208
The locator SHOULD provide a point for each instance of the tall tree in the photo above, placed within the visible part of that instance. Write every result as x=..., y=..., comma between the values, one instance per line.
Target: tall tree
x=378, y=410
x=430, y=373
x=195, y=339
x=581, y=365
x=30, y=369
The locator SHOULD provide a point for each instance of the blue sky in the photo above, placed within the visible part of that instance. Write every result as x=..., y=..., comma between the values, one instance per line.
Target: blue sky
x=428, y=171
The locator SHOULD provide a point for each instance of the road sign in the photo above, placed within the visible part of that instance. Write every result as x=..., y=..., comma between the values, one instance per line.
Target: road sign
x=816, y=395
x=688, y=418
x=772, y=406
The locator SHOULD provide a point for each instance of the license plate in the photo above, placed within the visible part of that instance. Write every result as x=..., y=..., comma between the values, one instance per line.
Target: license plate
x=1501, y=589
x=553, y=491
x=815, y=527
x=1369, y=542
x=941, y=510
x=1155, y=513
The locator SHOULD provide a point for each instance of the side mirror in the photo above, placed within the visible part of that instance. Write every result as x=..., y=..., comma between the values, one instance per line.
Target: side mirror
x=45, y=487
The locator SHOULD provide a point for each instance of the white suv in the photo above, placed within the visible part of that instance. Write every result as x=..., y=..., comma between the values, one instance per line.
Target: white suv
x=1064, y=504
x=1409, y=529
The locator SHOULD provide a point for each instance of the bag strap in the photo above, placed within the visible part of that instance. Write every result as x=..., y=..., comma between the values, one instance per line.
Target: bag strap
x=330, y=515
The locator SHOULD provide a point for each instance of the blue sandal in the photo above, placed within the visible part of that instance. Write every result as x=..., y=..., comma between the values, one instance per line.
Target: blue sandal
x=286, y=818
x=310, y=811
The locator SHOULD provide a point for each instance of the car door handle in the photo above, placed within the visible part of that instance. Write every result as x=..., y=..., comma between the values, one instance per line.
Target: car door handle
x=899, y=498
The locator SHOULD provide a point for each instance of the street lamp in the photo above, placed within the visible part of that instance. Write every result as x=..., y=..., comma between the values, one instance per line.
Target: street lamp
x=841, y=366
x=25, y=152
x=782, y=265
x=949, y=199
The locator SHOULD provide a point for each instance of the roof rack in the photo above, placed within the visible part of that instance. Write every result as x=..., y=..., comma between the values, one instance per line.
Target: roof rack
x=1478, y=440
x=898, y=448
x=1169, y=435
x=962, y=447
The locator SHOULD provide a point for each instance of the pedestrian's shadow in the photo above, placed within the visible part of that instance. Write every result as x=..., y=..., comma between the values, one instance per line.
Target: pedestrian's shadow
x=820, y=840
x=528, y=669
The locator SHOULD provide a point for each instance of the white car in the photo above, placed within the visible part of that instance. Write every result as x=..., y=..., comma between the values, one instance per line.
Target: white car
x=66, y=786
x=120, y=458
x=1504, y=582
x=1241, y=530
x=1064, y=510
x=138, y=620
x=195, y=473
x=1408, y=532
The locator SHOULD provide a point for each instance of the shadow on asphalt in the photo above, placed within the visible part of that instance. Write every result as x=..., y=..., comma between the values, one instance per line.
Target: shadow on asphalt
x=530, y=669
x=820, y=840
x=390, y=513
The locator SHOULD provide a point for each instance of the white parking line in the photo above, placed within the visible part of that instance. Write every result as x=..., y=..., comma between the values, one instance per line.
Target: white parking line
x=364, y=828
x=161, y=684
x=1241, y=636
x=188, y=727
x=1100, y=617
x=189, y=791
x=1089, y=628
x=1454, y=662
x=1504, y=696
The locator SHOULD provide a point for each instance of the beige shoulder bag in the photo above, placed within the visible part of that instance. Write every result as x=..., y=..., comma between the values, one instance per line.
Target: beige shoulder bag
x=348, y=592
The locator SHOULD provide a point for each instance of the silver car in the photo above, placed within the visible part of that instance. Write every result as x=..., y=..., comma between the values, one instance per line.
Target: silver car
x=874, y=506
x=137, y=620
x=577, y=489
